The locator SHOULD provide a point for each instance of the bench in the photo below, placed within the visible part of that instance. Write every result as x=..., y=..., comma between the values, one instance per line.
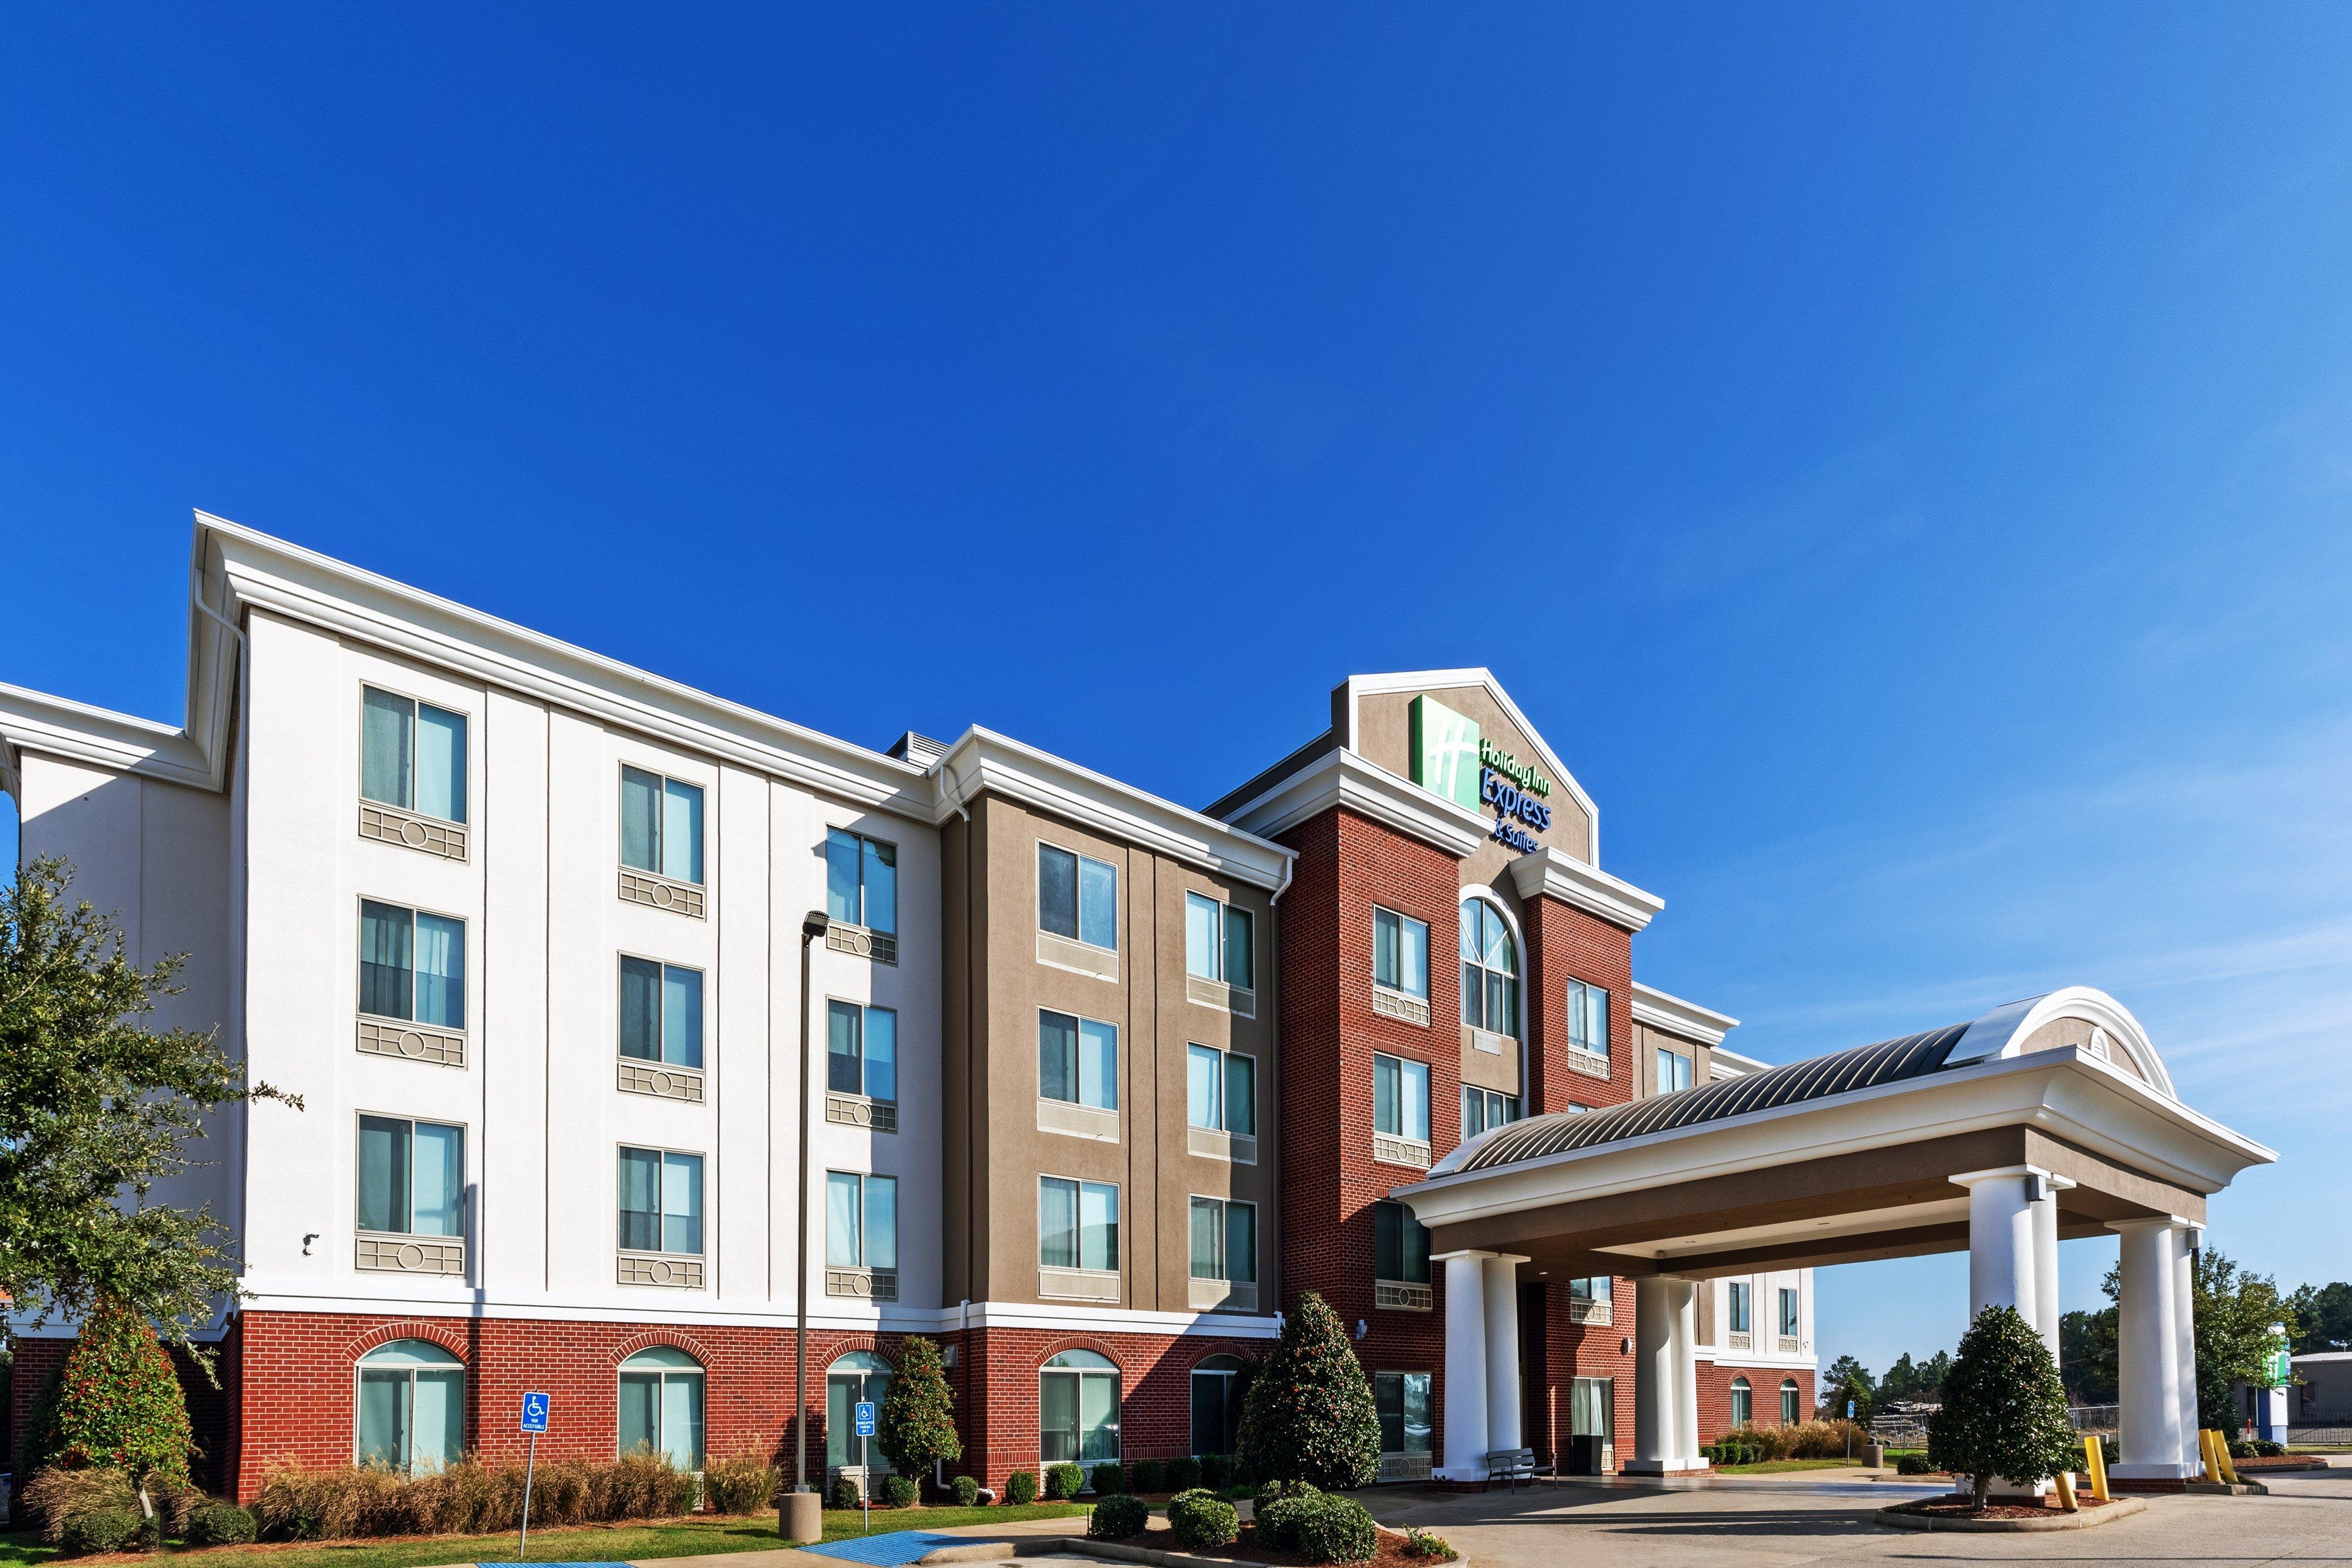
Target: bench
x=1512, y=1465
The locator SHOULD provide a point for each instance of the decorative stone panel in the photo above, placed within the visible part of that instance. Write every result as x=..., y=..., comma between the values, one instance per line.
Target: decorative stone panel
x=1233, y=1148
x=863, y=1284
x=1791, y=1344
x=1077, y=1121
x=412, y=1253
x=856, y=1110
x=1740, y=1341
x=661, y=894
x=661, y=1082
x=1079, y=1284
x=1223, y=1296
x=1599, y=1313
x=1589, y=1063
x=659, y=1268
x=1391, y=1150
x=430, y=835
x=1396, y=1004
x=411, y=1042
x=1405, y=1467
x=881, y=946
x=1078, y=955
x=1403, y=1295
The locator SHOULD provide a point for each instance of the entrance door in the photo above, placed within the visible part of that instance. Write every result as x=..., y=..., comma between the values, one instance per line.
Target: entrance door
x=1535, y=1428
x=1592, y=1426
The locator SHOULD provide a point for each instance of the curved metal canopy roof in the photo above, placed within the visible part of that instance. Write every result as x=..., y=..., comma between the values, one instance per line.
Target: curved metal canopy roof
x=1863, y=1067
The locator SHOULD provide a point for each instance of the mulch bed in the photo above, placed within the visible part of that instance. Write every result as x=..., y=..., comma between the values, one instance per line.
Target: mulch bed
x=2281, y=1462
x=1962, y=1508
x=1390, y=1553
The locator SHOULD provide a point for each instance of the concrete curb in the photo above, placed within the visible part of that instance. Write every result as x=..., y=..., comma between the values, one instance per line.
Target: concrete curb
x=2122, y=1508
x=1114, y=1551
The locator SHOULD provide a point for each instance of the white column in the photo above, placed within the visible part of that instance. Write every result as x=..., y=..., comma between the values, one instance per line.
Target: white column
x=2002, y=1240
x=1686, y=1355
x=1503, y=1424
x=1655, y=1401
x=2045, y=1263
x=2147, y=1355
x=2184, y=1338
x=1465, y=1366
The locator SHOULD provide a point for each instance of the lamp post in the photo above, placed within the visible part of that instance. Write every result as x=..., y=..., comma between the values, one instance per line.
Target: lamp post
x=803, y=1510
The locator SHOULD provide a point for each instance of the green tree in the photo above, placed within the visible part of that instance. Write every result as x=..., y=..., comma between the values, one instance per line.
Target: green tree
x=1309, y=1414
x=2322, y=1317
x=2234, y=1313
x=915, y=1428
x=1901, y=1382
x=2004, y=1410
x=1847, y=1380
x=2086, y=1355
x=95, y=1110
x=118, y=1403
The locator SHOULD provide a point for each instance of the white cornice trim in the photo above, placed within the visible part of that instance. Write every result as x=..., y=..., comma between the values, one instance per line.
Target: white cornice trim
x=120, y=742
x=1688, y=1019
x=1343, y=778
x=2004, y=1031
x=1359, y=686
x=1549, y=873
x=982, y=759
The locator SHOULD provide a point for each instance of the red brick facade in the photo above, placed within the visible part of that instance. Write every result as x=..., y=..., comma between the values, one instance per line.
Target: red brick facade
x=1764, y=1387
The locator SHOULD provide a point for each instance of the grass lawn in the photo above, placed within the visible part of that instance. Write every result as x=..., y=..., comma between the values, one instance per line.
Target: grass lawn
x=1782, y=1466
x=601, y=1543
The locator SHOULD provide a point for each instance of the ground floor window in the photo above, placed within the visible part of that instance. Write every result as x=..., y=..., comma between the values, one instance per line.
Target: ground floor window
x=1217, y=1386
x=859, y=1375
x=1743, y=1403
x=412, y=1407
x=1788, y=1403
x=1077, y=1409
x=661, y=1405
x=1592, y=1408
x=1403, y=1400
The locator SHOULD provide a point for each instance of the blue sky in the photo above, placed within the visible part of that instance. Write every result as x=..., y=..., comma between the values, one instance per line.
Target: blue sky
x=1899, y=455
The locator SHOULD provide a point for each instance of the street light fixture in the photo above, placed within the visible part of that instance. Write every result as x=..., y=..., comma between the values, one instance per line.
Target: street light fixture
x=803, y=1511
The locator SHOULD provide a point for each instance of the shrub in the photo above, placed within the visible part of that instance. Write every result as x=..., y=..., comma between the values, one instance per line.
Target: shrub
x=1149, y=1476
x=1419, y=1542
x=1216, y=1471
x=1183, y=1474
x=1119, y=1518
x=1273, y=1492
x=118, y=1399
x=915, y=1428
x=99, y=1530
x=56, y=1497
x=1064, y=1482
x=1336, y=1530
x=899, y=1491
x=219, y=1525
x=1278, y=1521
x=1913, y=1465
x=1308, y=1413
x=745, y=1483
x=2004, y=1409
x=2266, y=1449
x=845, y=1491
x=1020, y=1488
x=1201, y=1519
x=175, y=1497
x=967, y=1491
x=1108, y=1479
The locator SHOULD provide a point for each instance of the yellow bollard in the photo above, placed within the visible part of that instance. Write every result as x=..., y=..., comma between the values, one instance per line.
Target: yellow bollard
x=2205, y=1454
x=2228, y=1466
x=2094, y=1465
x=2066, y=1492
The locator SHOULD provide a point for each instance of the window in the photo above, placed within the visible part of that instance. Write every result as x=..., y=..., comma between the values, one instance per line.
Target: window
x=1077, y=1060
x=861, y=1053
x=1401, y=953
x=1788, y=1402
x=861, y=1221
x=1490, y=969
x=1597, y=1289
x=1587, y=1018
x=1224, y=1240
x=1739, y=1313
x=412, y=965
x=1593, y=1407
x=1218, y=942
x=1077, y=1409
x=661, y=1405
x=1788, y=1311
x=661, y=1202
x=861, y=881
x=1078, y=896
x=1743, y=1403
x=1483, y=1108
x=412, y=1407
x=1673, y=1070
x=1401, y=1098
x=1077, y=1224
x=1221, y=1090
x=856, y=1377
x=1403, y=1400
x=1217, y=1387
x=412, y=756
x=661, y=825
x=661, y=1013
x=411, y=1178
x=1399, y=1244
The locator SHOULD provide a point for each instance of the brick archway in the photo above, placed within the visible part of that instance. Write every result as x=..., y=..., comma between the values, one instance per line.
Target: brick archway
x=431, y=1330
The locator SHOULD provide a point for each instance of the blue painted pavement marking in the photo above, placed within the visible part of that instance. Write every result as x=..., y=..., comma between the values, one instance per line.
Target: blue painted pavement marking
x=893, y=1550
x=555, y=1565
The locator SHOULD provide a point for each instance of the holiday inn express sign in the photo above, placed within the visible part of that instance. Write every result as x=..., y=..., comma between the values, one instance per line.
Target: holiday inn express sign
x=1451, y=758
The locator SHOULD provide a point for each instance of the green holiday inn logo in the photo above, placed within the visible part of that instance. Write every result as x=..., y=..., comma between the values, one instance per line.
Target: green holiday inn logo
x=1445, y=747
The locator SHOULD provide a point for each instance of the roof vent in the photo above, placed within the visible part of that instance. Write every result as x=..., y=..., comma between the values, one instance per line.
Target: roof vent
x=919, y=750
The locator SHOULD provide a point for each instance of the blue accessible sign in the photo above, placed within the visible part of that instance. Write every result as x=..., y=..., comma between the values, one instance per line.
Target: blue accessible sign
x=534, y=1412
x=865, y=1418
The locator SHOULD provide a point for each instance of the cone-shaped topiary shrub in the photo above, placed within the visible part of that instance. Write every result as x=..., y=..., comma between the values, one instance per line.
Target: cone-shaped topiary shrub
x=1309, y=1414
x=118, y=1400
x=915, y=1428
x=2004, y=1408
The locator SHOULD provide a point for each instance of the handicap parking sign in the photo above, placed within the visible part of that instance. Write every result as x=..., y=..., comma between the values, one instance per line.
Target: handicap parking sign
x=534, y=1412
x=865, y=1418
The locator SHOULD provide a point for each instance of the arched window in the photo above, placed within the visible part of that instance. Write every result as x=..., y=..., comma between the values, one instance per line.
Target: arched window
x=412, y=1407
x=1787, y=1402
x=1077, y=1409
x=859, y=1375
x=1490, y=969
x=1217, y=1384
x=661, y=1405
x=1743, y=1403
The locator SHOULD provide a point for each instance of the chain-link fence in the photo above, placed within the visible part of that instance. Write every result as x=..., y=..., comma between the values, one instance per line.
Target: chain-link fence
x=2319, y=1436
x=2093, y=1418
